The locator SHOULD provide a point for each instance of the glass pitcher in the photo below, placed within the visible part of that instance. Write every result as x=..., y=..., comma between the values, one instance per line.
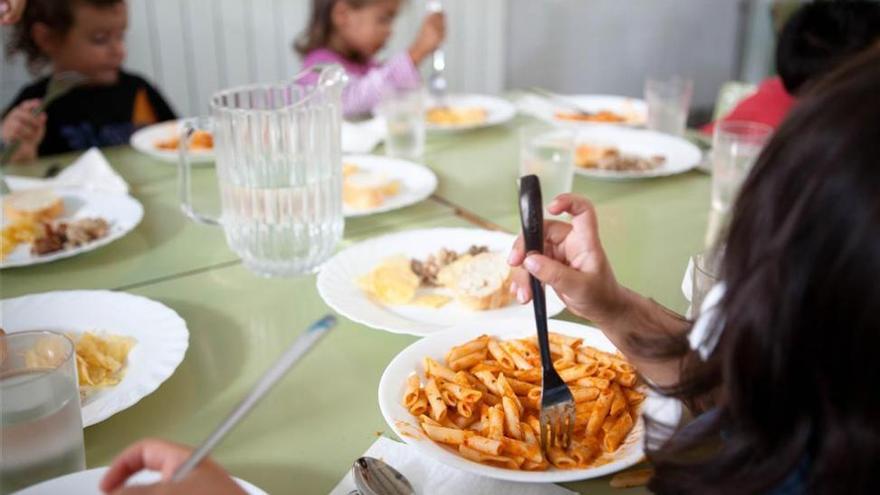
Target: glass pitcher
x=279, y=170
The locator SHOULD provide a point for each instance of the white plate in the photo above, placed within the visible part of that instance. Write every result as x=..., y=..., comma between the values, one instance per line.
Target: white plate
x=121, y=211
x=393, y=382
x=417, y=182
x=498, y=111
x=161, y=338
x=634, y=109
x=144, y=140
x=338, y=286
x=681, y=155
x=87, y=482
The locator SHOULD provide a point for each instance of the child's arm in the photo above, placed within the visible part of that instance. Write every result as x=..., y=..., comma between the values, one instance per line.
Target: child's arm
x=399, y=72
x=21, y=125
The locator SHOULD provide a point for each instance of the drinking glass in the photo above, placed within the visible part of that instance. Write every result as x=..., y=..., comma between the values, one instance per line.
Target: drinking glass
x=41, y=430
x=404, y=115
x=668, y=103
x=279, y=170
x=735, y=147
x=704, y=276
x=548, y=152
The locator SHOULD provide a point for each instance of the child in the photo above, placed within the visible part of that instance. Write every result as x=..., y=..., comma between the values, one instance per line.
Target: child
x=815, y=40
x=86, y=36
x=350, y=33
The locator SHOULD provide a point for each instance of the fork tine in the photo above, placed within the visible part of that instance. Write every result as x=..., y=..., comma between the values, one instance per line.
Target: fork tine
x=544, y=436
x=570, y=430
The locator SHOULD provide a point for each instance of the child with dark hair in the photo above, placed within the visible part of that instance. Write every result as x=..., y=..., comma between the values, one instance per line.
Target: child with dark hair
x=351, y=33
x=88, y=37
x=814, y=41
x=780, y=367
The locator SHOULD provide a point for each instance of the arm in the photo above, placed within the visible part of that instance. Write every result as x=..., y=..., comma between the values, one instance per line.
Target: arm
x=361, y=95
x=575, y=265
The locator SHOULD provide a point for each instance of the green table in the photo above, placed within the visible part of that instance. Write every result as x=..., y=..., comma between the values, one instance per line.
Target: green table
x=305, y=435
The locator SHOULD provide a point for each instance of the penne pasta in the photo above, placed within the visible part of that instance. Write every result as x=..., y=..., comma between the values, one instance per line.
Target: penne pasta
x=486, y=396
x=500, y=355
x=438, y=407
x=584, y=394
x=574, y=373
x=617, y=432
x=484, y=445
x=619, y=404
x=420, y=406
x=437, y=370
x=511, y=418
x=590, y=381
x=476, y=345
x=442, y=434
x=467, y=361
x=600, y=411
x=412, y=391
x=496, y=422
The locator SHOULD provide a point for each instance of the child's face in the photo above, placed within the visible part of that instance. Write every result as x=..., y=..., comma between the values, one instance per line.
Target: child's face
x=367, y=29
x=95, y=44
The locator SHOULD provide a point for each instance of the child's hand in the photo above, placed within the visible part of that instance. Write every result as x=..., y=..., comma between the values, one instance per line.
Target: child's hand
x=23, y=126
x=430, y=37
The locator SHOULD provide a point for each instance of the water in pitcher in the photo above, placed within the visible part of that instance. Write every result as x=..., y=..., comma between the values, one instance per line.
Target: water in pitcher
x=41, y=429
x=284, y=230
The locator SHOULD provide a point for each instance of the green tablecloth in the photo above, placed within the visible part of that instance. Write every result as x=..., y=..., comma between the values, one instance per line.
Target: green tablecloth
x=306, y=434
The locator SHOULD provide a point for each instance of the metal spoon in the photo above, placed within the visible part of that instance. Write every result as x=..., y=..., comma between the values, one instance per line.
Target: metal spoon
x=375, y=477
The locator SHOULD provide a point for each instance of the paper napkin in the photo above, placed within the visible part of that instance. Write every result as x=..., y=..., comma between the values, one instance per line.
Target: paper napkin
x=90, y=171
x=362, y=137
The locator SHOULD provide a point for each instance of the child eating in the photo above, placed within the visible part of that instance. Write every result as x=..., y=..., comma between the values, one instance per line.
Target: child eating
x=351, y=33
x=87, y=37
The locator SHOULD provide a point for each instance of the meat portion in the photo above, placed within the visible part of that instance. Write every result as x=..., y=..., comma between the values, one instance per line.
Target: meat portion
x=69, y=235
x=428, y=270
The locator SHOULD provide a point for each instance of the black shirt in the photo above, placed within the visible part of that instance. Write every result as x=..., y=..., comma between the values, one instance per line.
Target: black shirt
x=97, y=115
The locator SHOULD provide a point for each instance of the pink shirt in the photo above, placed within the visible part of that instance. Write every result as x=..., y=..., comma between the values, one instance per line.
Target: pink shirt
x=370, y=81
x=768, y=105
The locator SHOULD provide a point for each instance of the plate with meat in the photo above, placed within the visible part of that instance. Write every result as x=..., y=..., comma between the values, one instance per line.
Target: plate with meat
x=618, y=153
x=162, y=141
x=43, y=225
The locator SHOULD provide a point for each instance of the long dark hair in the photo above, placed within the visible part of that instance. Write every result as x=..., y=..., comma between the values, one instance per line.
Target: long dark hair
x=320, y=28
x=58, y=15
x=794, y=377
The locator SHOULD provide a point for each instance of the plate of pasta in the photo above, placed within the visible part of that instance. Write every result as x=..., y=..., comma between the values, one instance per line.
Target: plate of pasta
x=469, y=398
x=162, y=141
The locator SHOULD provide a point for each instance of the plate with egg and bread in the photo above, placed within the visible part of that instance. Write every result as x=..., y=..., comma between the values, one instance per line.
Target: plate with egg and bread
x=421, y=282
x=375, y=184
x=40, y=225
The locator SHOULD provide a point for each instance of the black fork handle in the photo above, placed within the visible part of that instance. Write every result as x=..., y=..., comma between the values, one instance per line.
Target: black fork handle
x=531, y=212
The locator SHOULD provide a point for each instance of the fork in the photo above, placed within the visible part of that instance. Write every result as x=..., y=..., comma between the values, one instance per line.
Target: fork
x=561, y=100
x=557, y=403
x=437, y=85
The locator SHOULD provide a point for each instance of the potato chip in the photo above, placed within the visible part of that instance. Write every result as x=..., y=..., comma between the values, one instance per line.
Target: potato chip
x=100, y=360
x=22, y=231
x=392, y=282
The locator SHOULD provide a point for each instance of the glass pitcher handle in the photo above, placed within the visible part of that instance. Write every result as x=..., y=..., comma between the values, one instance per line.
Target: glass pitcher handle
x=187, y=129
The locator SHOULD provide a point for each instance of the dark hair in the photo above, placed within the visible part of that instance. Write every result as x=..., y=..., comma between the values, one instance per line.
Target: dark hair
x=793, y=378
x=58, y=15
x=822, y=34
x=320, y=28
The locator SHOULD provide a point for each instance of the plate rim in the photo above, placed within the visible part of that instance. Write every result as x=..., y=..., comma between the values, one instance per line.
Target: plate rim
x=128, y=400
x=92, y=246
x=466, y=330
x=323, y=285
x=246, y=485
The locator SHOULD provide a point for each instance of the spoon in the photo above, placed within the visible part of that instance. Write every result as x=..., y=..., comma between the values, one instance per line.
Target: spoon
x=375, y=477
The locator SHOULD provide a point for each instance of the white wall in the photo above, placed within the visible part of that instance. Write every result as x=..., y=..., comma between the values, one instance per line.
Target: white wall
x=191, y=48
x=611, y=46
